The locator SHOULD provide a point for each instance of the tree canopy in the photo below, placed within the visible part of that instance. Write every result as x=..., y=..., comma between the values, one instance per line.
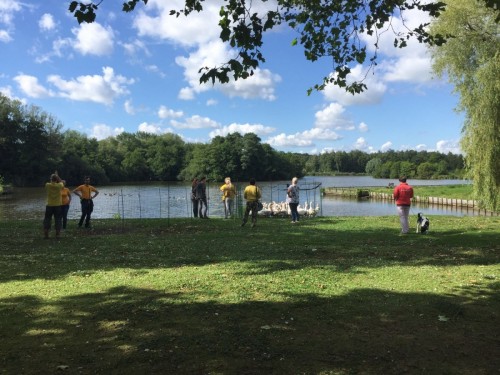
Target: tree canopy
x=471, y=60
x=325, y=29
x=32, y=146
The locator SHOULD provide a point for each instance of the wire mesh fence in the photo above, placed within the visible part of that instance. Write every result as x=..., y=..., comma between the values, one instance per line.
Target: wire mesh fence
x=174, y=200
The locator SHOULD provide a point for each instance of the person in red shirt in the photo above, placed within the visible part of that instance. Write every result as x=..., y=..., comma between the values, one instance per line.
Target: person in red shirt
x=403, y=193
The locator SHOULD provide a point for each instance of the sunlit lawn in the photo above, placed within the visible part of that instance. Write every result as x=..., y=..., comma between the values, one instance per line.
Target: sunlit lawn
x=327, y=296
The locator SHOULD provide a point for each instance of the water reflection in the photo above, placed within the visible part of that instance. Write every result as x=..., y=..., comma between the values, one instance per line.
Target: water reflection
x=338, y=206
x=173, y=200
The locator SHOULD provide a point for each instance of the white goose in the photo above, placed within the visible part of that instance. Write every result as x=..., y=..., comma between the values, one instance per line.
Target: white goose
x=302, y=210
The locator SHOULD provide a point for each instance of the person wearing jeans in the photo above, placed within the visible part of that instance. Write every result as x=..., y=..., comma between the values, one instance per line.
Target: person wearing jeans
x=292, y=198
x=53, y=207
x=201, y=196
x=403, y=193
x=87, y=193
x=228, y=194
x=252, y=195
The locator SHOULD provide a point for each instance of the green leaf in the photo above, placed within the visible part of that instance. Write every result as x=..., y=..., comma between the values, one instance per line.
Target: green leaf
x=72, y=6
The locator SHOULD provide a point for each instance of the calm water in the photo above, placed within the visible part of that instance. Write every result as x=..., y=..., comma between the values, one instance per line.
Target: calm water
x=173, y=199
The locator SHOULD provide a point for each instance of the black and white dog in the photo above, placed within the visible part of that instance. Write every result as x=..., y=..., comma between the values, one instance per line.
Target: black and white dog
x=422, y=223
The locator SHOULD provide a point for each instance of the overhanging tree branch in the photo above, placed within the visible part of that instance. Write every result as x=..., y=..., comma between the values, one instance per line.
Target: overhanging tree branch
x=326, y=29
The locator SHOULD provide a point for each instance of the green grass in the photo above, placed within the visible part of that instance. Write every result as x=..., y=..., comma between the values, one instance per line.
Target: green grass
x=328, y=296
x=441, y=191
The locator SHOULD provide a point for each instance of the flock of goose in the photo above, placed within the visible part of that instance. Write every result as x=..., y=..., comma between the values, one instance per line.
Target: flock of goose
x=281, y=209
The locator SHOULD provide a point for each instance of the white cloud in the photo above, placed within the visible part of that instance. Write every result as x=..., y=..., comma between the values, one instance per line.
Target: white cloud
x=8, y=8
x=201, y=37
x=449, y=146
x=135, y=47
x=46, y=22
x=58, y=45
x=7, y=91
x=320, y=134
x=129, y=108
x=93, y=39
x=150, y=128
x=374, y=94
x=332, y=117
x=362, y=127
x=211, y=102
x=242, y=129
x=405, y=147
x=409, y=64
x=303, y=139
x=412, y=19
x=386, y=146
x=102, y=131
x=409, y=69
x=421, y=147
x=186, y=93
x=30, y=86
x=156, y=22
x=210, y=54
x=260, y=85
x=5, y=36
x=155, y=69
x=293, y=140
x=195, y=122
x=100, y=89
x=97, y=88
x=164, y=112
x=326, y=150
x=362, y=145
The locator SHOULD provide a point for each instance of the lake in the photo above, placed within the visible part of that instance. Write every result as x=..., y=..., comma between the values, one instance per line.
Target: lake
x=165, y=200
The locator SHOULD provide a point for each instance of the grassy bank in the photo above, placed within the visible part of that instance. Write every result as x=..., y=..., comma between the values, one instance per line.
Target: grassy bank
x=328, y=296
x=441, y=191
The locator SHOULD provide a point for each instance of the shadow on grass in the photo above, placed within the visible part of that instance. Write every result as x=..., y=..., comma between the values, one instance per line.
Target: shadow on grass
x=139, y=331
x=273, y=246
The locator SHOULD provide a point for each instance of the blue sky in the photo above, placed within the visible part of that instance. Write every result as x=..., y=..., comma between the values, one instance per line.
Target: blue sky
x=139, y=72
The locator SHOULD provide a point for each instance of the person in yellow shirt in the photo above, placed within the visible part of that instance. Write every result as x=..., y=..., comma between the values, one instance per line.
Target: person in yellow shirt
x=252, y=194
x=228, y=194
x=53, y=207
x=87, y=193
x=66, y=201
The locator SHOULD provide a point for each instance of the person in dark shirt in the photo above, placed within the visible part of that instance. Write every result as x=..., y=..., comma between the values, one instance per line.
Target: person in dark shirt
x=201, y=196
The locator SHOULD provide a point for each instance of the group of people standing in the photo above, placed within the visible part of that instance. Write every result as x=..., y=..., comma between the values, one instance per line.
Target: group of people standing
x=199, y=198
x=59, y=200
x=403, y=194
x=252, y=195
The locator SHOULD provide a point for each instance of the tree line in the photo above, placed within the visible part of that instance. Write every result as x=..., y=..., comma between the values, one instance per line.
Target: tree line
x=33, y=145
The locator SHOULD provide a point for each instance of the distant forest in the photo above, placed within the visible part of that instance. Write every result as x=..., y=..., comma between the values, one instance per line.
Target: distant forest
x=33, y=145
